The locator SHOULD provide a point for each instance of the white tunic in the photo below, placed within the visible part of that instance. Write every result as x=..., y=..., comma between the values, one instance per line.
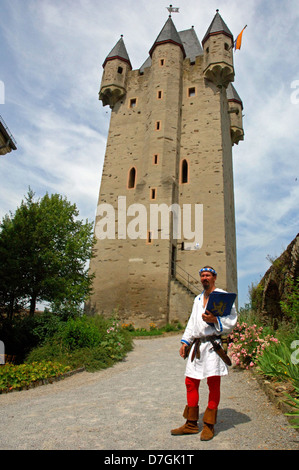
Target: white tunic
x=209, y=363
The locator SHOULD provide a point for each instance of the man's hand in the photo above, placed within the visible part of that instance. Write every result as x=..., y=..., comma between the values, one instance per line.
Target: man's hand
x=182, y=350
x=209, y=317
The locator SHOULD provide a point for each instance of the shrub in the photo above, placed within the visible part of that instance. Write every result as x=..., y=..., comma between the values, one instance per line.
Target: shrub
x=18, y=376
x=21, y=334
x=91, y=342
x=247, y=343
x=79, y=333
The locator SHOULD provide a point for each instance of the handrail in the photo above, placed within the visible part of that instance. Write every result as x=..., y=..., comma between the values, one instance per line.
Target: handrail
x=185, y=278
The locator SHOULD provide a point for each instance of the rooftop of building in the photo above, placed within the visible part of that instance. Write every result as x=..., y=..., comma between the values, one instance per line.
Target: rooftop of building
x=6, y=135
x=190, y=43
x=187, y=40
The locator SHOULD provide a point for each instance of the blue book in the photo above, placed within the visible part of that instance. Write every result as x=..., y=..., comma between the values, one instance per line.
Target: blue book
x=220, y=303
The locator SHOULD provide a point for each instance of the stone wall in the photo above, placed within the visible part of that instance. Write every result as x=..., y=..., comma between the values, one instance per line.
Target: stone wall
x=273, y=286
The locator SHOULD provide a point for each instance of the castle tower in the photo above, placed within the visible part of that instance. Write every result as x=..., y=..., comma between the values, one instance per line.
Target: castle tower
x=218, y=53
x=166, y=203
x=116, y=67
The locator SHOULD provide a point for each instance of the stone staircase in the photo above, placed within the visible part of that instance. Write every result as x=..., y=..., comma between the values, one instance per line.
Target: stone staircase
x=183, y=290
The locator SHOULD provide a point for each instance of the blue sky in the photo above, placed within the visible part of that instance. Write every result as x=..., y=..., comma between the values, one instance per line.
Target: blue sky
x=51, y=55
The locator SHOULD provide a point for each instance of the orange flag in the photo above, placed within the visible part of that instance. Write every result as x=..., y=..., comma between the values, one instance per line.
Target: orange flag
x=238, y=41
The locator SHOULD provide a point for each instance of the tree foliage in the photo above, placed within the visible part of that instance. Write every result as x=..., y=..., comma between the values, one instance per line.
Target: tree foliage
x=44, y=250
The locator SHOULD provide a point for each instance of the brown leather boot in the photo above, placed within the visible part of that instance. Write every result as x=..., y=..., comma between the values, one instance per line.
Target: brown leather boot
x=209, y=419
x=190, y=427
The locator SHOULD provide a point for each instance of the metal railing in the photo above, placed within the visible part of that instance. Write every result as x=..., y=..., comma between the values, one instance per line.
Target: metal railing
x=185, y=278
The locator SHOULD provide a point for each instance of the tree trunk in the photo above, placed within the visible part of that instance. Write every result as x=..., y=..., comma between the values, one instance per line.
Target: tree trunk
x=32, y=305
x=11, y=308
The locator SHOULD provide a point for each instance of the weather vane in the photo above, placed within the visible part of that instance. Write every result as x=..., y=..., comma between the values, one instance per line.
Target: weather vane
x=172, y=9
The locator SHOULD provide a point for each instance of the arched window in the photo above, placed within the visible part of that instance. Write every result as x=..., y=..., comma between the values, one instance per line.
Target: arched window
x=184, y=172
x=132, y=178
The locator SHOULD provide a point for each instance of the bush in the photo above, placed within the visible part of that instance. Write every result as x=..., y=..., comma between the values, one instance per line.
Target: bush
x=91, y=342
x=79, y=333
x=247, y=343
x=21, y=334
x=13, y=377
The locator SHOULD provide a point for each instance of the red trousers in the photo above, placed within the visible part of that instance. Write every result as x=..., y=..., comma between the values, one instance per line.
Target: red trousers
x=192, y=386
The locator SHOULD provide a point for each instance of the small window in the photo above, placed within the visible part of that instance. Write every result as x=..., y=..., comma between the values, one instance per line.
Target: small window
x=153, y=193
x=184, y=172
x=158, y=125
x=226, y=46
x=159, y=94
x=120, y=70
x=156, y=159
x=149, y=238
x=191, y=92
x=132, y=178
x=162, y=62
x=207, y=50
x=133, y=103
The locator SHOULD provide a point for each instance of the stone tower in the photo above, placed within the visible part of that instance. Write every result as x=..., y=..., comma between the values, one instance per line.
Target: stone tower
x=166, y=203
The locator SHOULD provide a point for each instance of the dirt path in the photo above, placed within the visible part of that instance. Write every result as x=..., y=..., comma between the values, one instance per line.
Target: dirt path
x=134, y=405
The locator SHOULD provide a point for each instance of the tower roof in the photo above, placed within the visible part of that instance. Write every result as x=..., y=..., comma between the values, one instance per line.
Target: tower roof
x=119, y=51
x=191, y=43
x=232, y=94
x=217, y=26
x=168, y=34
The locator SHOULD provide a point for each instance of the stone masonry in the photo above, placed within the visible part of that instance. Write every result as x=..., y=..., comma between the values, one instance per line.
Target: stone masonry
x=173, y=124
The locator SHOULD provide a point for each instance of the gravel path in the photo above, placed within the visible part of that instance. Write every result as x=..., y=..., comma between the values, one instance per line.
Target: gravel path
x=135, y=404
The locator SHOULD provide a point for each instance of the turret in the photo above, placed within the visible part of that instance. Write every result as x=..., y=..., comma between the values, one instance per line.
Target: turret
x=170, y=35
x=218, y=53
x=235, y=107
x=116, y=67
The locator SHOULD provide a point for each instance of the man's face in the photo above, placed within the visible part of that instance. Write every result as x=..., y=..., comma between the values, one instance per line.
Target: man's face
x=207, y=279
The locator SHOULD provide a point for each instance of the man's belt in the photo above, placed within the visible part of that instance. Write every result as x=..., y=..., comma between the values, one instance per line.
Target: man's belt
x=216, y=346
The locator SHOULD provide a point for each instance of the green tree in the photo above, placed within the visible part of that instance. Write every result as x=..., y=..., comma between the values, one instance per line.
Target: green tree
x=10, y=281
x=45, y=250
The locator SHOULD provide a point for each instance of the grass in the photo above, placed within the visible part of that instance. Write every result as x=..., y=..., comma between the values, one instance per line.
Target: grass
x=153, y=330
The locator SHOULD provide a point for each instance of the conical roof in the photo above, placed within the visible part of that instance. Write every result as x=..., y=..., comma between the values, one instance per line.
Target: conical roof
x=190, y=43
x=217, y=26
x=232, y=94
x=168, y=34
x=119, y=51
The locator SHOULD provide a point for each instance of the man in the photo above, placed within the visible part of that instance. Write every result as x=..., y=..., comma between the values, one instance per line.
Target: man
x=203, y=360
